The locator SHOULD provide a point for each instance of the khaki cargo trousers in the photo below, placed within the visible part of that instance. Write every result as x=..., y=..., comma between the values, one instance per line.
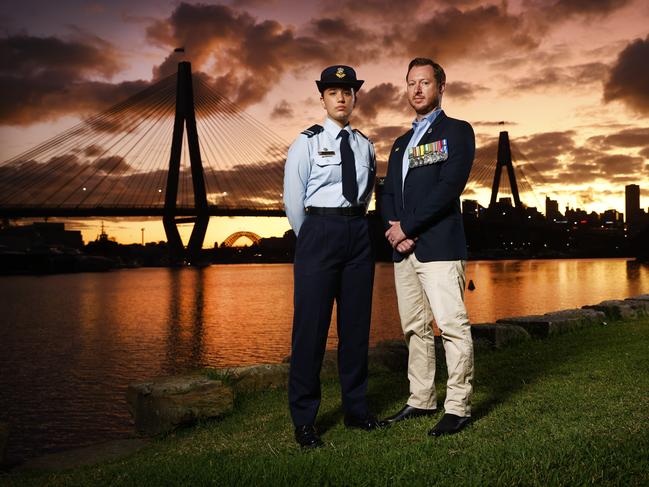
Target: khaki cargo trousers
x=427, y=290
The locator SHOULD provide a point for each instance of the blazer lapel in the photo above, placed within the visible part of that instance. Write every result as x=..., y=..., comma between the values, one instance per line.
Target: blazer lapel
x=430, y=135
x=398, y=155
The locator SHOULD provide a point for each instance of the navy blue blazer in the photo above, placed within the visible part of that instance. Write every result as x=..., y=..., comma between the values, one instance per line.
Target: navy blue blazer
x=429, y=205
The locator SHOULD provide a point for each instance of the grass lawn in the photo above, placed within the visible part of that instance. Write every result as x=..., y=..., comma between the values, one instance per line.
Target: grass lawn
x=568, y=410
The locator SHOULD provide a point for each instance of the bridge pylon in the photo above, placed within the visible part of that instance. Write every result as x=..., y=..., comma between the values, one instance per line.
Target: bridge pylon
x=504, y=160
x=185, y=116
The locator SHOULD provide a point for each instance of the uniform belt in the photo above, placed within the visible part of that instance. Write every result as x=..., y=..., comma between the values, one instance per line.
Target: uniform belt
x=338, y=211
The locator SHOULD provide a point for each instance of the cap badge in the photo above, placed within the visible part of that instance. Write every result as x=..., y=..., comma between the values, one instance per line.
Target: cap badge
x=340, y=73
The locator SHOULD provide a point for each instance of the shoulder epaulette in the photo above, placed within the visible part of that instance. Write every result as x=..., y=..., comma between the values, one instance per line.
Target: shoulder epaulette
x=313, y=130
x=362, y=134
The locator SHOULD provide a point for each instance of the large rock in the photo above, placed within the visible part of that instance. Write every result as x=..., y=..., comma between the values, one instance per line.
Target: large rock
x=617, y=309
x=330, y=364
x=640, y=304
x=4, y=438
x=489, y=335
x=585, y=317
x=391, y=355
x=162, y=404
x=253, y=377
x=640, y=297
x=556, y=322
x=387, y=355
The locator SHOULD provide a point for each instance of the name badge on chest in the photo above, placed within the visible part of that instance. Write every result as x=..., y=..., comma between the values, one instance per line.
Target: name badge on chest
x=326, y=153
x=427, y=154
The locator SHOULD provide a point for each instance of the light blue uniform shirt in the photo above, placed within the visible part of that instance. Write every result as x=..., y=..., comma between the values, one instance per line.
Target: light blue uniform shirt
x=313, y=172
x=419, y=127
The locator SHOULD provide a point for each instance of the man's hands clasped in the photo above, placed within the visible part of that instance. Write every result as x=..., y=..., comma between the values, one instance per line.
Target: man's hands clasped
x=398, y=239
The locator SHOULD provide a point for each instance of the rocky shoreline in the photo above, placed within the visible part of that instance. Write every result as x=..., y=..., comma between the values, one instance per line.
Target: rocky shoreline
x=163, y=404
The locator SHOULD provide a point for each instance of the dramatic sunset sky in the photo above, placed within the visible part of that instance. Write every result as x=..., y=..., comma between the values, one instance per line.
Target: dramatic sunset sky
x=570, y=78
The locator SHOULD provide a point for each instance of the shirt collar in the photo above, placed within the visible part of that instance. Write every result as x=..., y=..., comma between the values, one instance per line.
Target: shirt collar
x=334, y=129
x=427, y=120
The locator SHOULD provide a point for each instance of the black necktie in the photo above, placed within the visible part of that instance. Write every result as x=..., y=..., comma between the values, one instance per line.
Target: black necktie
x=350, y=187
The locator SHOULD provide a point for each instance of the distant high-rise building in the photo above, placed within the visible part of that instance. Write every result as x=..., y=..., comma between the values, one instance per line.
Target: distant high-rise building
x=551, y=209
x=632, y=206
x=612, y=217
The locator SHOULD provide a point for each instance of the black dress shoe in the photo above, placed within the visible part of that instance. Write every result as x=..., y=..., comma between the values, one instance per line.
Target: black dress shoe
x=368, y=423
x=449, y=424
x=408, y=412
x=307, y=437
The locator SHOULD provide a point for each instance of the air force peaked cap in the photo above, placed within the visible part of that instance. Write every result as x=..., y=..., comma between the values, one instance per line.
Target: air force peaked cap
x=339, y=76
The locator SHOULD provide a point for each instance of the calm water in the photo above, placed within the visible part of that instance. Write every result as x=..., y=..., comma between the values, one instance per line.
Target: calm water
x=70, y=344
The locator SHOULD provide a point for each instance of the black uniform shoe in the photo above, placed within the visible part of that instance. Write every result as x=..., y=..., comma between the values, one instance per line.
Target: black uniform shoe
x=408, y=412
x=307, y=437
x=449, y=424
x=367, y=423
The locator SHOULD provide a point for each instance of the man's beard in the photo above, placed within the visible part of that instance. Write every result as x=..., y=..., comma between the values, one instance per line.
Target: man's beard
x=434, y=103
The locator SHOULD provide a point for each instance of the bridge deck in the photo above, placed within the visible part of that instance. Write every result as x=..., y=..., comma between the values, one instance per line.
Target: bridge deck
x=31, y=212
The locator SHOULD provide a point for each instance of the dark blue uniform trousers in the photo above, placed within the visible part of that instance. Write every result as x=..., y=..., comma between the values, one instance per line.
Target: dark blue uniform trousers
x=333, y=260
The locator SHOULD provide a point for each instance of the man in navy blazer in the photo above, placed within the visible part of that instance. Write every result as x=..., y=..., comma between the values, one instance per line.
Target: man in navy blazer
x=428, y=168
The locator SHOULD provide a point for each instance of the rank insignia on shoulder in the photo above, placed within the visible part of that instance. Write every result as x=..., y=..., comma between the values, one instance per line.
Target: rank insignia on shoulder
x=362, y=135
x=313, y=130
x=426, y=154
x=326, y=153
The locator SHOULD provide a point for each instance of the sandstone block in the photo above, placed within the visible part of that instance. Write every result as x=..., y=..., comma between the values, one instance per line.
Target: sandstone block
x=584, y=317
x=556, y=322
x=640, y=304
x=393, y=355
x=616, y=309
x=388, y=357
x=392, y=344
x=490, y=335
x=640, y=297
x=164, y=403
x=253, y=377
x=330, y=364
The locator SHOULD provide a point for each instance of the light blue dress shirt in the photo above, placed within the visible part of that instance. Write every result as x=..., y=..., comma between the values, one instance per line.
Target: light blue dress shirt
x=419, y=127
x=313, y=172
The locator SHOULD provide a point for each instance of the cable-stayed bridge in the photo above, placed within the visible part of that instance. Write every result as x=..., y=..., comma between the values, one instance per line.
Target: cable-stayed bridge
x=505, y=170
x=221, y=162
x=120, y=163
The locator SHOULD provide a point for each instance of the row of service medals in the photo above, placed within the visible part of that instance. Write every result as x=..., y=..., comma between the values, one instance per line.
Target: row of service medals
x=426, y=154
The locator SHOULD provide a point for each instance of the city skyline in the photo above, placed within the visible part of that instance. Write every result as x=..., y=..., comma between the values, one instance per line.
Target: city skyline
x=568, y=79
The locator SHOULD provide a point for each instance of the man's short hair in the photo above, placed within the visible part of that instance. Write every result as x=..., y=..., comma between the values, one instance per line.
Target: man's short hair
x=440, y=75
